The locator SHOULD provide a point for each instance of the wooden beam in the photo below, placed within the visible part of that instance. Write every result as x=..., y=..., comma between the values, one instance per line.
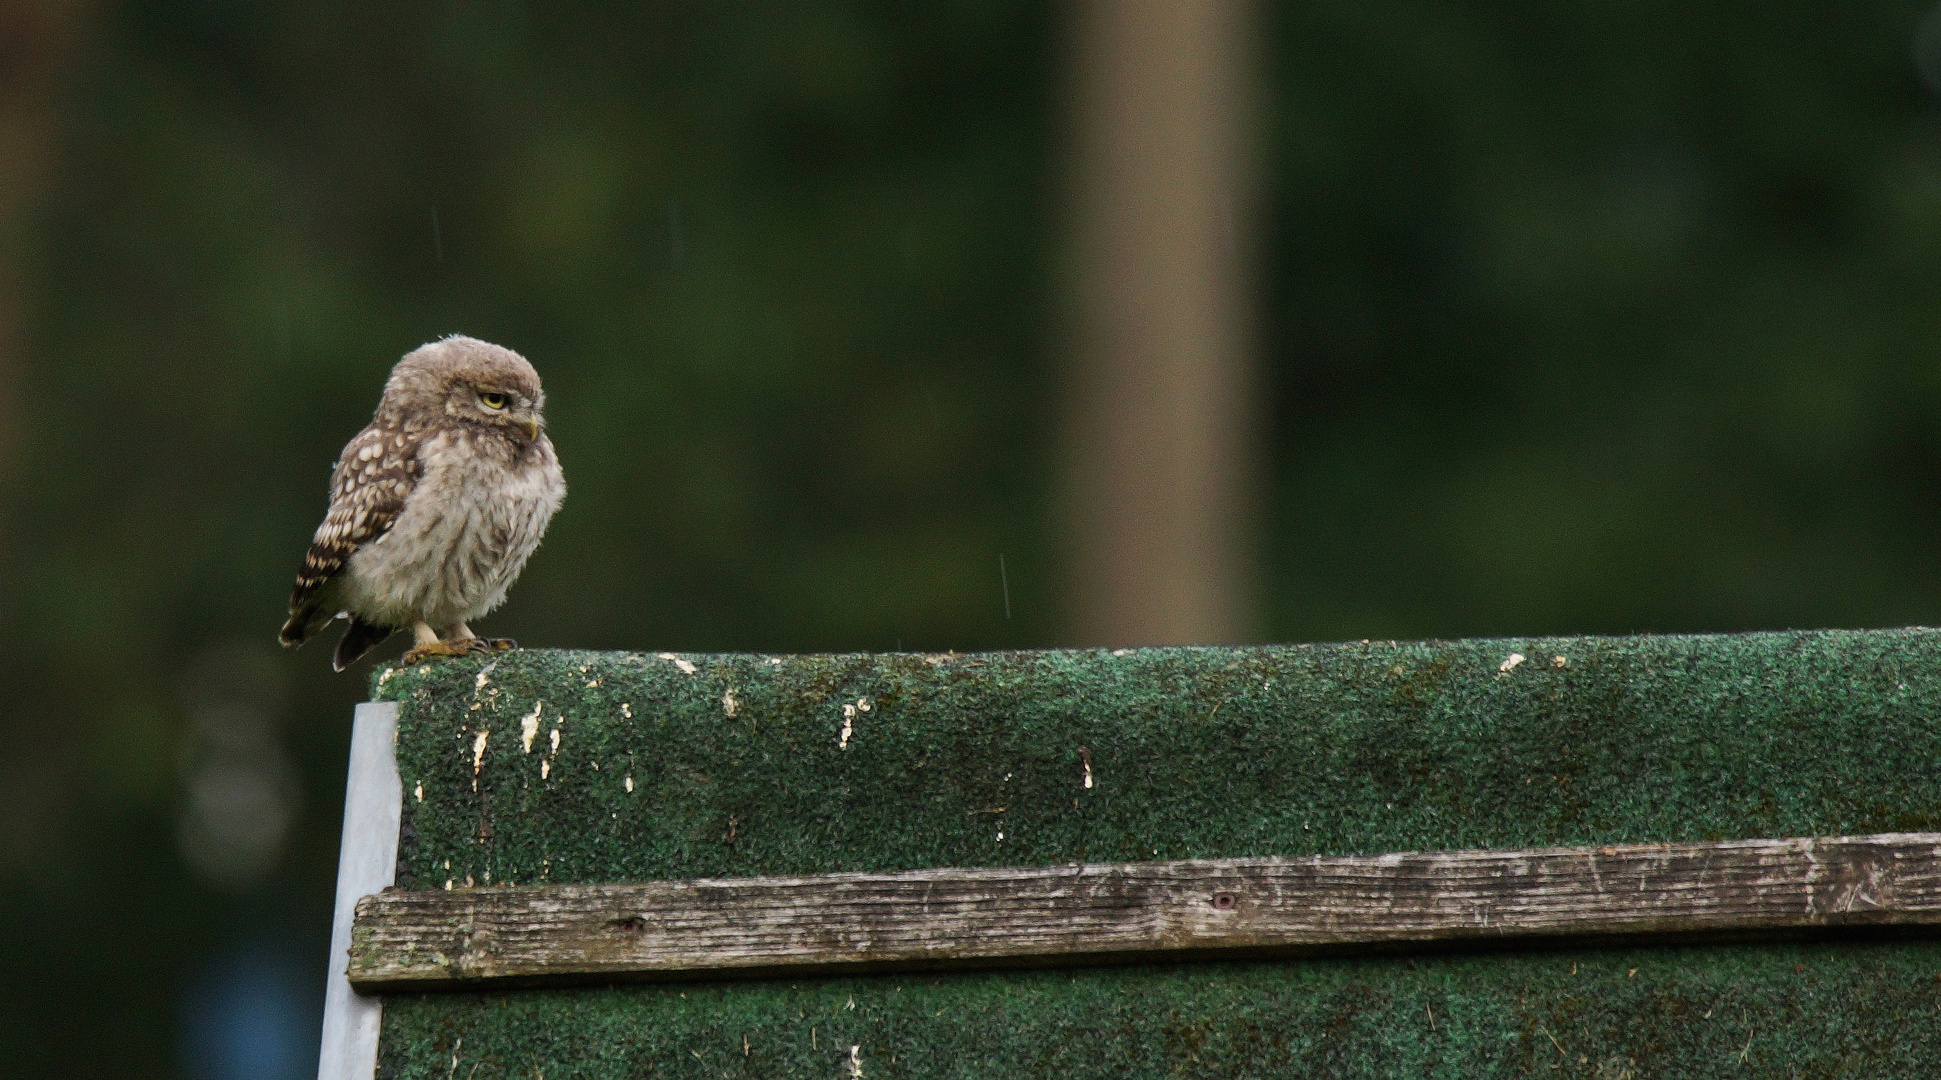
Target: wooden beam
x=1069, y=915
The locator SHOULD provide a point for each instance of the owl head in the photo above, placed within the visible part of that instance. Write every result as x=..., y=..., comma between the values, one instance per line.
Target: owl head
x=469, y=382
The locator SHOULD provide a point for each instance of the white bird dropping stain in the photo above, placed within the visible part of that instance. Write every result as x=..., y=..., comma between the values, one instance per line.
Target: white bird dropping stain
x=1560, y=661
x=555, y=740
x=545, y=768
x=1509, y=663
x=478, y=752
x=728, y=703
x=626, y=710
x=677, y=661
x=529, y=725
x=630, y=783
x=419, y=791
x=855, y=1062
x=848, y=726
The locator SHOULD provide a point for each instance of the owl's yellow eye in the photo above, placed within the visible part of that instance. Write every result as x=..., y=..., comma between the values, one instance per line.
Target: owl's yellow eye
x=492, y=401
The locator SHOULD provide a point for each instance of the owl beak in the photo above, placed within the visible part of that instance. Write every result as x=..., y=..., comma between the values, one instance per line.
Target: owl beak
x=531, y=426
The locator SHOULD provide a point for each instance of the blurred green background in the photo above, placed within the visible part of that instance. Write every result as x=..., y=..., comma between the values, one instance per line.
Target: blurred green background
x=1581, y=317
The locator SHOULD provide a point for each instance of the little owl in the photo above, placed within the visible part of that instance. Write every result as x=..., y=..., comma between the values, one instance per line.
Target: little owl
x=434, y=507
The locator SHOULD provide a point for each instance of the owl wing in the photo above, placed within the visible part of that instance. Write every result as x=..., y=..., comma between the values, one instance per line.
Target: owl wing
x=368, y=489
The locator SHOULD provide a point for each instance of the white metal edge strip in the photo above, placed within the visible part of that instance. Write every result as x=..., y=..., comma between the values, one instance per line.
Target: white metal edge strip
x=367, y=862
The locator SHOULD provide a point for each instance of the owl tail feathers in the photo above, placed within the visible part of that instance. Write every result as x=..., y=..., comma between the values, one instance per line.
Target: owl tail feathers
x=359, y=638
x=304, y=623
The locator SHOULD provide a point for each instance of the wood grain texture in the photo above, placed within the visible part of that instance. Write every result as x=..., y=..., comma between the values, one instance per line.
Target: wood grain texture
x=1070, y=915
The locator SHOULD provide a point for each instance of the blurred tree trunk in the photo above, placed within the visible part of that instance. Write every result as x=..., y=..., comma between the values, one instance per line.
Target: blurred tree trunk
x=1163, y=406
x=36, y=39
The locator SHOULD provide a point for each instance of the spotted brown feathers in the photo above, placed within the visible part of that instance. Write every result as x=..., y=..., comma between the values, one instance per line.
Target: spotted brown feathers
x=367, y=492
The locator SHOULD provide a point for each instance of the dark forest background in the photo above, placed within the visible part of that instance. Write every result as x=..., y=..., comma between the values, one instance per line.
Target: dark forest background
x=1580, y=317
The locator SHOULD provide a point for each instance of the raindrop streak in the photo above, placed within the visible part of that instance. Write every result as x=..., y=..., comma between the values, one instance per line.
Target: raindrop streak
x=1004, y=579
x=674, y=233
x=437, y=241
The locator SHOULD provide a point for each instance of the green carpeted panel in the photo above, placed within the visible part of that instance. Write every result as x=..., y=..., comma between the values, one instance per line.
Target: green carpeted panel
x=739, y=766
x=1800, y=1011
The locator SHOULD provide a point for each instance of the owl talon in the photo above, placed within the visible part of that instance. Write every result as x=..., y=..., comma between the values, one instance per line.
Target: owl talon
x=459, y=647
x=462, y=647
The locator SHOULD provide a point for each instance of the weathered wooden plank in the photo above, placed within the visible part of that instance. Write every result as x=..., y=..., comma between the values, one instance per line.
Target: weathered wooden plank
x=1039, y=916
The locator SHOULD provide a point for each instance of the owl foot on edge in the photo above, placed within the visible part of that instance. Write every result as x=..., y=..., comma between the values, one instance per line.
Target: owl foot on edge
x=460, y=647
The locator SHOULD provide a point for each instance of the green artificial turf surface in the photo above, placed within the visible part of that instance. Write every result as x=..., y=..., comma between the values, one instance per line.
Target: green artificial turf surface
x=740, y=767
